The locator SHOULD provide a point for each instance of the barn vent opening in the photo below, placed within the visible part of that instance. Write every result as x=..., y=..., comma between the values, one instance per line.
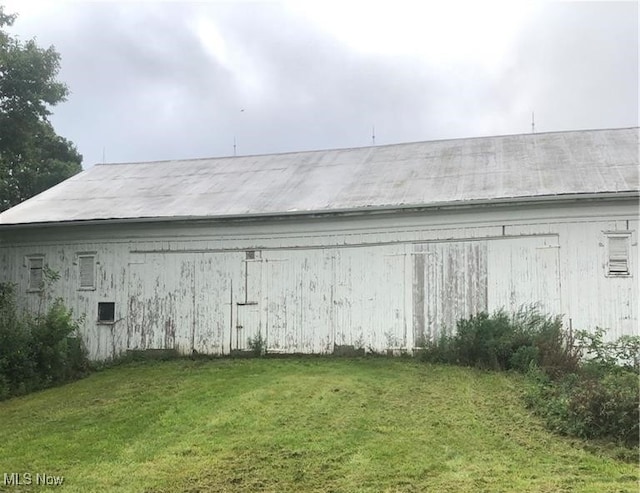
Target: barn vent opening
x=106, y=312
x=618, y=262
x=86, y=264
x=36, y=267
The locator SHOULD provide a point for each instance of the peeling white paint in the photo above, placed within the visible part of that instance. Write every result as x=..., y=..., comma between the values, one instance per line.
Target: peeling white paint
x=375, y=282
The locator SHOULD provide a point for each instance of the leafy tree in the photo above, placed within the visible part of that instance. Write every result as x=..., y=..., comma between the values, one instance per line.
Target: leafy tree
x=32, y=156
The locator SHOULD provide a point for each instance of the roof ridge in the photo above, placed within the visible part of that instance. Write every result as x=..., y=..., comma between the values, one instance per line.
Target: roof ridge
x=314, y=151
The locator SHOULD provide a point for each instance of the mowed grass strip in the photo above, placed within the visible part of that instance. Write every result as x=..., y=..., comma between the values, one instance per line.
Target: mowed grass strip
x=303, y=424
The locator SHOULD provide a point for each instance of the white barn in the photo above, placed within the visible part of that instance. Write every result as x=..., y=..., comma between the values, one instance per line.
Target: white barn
x=376, y=247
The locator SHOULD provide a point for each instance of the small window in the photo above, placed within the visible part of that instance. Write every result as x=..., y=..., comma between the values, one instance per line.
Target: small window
x=36, y=266
x=106, y=312
x=252, y=254
x=87, y=267
x=618, y=255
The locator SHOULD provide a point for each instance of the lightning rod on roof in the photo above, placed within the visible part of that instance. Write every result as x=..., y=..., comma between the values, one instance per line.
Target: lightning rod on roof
x=234, y=145
x=533, y=123
x=373, y=135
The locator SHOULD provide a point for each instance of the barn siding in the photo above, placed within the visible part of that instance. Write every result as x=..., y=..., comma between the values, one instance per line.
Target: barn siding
x=524, y=270
x=451, y=284
x=378, y=283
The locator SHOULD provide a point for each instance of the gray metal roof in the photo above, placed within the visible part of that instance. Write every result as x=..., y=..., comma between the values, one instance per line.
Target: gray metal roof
x=457, y=171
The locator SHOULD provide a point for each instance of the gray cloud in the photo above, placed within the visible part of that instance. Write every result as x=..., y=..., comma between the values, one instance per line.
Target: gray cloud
x=577, y=66
x=145, y=87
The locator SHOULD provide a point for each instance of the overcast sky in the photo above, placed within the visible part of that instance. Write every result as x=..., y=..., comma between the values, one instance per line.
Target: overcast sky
x=155, y=80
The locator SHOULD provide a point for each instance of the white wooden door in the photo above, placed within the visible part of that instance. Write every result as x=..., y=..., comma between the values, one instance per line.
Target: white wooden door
x=247, y=326
x=524, y=271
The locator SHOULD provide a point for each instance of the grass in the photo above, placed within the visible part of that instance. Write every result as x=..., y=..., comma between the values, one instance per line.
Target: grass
x=301, y=424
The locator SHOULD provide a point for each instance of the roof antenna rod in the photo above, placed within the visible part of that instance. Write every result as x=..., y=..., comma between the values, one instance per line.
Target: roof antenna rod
x=373, y=135
x=234, y=137
x=533, y=123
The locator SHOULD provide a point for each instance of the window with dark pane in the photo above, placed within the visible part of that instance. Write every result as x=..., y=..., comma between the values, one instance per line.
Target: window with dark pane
x=106, y=312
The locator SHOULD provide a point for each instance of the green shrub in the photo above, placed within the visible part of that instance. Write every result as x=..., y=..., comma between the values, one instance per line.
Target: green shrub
x=580, y=384
x=549, y=399
x=37, y=352
x=558, y=353
x=504, y=342
x=257, y=344
x=600, y=399
x=57, y=354
x=621, y=353
x=606, y=407
x=4, y=387
x=524, y=358
x=588, y=406
x=16, y=366
x=484, y=341
x=627, y=350
x=442, y=350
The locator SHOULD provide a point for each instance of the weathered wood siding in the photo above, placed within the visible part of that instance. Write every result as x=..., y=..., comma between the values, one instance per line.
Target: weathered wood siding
x=521, y=269
x=450, y=282
x=378, y=283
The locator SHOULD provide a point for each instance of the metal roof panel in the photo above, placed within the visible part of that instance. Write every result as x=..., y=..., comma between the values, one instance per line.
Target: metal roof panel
x=419, y=173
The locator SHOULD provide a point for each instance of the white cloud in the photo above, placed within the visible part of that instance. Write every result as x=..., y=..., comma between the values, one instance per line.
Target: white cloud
x=442, y=34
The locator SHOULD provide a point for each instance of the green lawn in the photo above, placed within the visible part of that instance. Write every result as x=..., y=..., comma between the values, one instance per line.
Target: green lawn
x=300, y=424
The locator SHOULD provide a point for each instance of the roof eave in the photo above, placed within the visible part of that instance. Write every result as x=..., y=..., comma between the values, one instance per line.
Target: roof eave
x=384, y=209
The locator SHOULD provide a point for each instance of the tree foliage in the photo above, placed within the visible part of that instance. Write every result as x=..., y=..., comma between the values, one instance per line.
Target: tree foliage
x=32, y=156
